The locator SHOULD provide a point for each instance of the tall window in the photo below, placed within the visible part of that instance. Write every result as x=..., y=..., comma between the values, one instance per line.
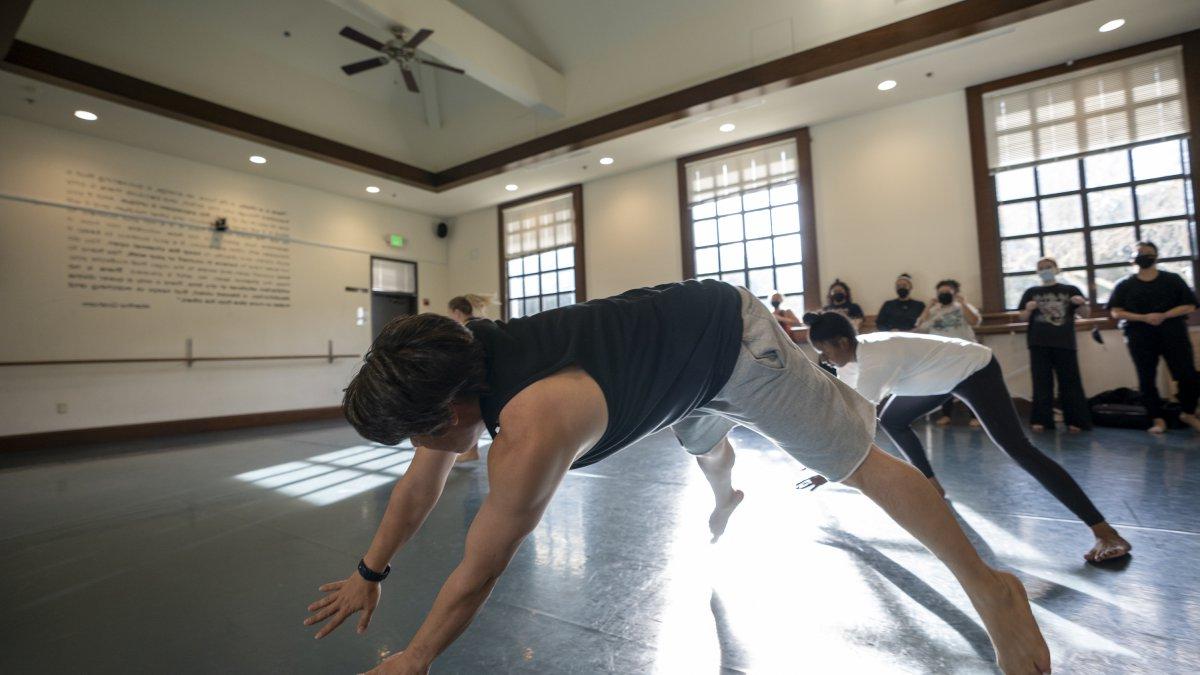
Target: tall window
x=747, y=217
x=1082, y=167
x=541, y=241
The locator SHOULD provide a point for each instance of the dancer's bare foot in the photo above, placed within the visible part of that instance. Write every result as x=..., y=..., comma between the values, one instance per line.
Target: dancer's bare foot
x=943, y=421
x=720, y=515
x=1037, y=428
x=1109, y=544
x=1004, y=607
x=974, y=423
x=1072, y=429
x=468, y=456
x=938, y=486
x=1190, y=420
x=1160, y=426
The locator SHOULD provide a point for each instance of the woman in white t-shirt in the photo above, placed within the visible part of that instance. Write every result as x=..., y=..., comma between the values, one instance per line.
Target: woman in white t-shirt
x=920, y=373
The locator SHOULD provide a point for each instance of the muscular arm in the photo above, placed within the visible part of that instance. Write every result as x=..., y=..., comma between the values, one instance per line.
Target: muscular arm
x=522, y=481
x=413, y=497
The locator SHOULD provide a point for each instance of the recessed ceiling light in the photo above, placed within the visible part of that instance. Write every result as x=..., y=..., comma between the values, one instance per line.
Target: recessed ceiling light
x=1112, y=25
x=606, y=160
x=511, y=187
x=258, y=159
x=727, y=127
x=85, y=115
x=886, y=85
x=372, y=189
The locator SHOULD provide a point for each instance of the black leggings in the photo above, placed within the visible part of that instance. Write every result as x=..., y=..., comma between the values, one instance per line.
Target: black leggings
x=986, y=394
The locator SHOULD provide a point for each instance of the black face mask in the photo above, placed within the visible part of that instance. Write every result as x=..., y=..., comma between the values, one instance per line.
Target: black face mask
x=838, y=298
x=1145, y=261
x=945, y=298
x=902, y=292
x=776, y=303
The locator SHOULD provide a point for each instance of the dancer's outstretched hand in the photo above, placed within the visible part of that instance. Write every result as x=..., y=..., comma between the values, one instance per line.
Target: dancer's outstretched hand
x=343, y=599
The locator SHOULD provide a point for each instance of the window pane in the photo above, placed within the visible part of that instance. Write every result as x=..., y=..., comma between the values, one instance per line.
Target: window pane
x=1109, y=168
x=735, y=278
x=1014, y=184
x=1159, y=159
x=1015, y=286
x=565, y=299
x=514, y=267
x=1106, y=280
x=733, y=256
x=729, y=228
x=1077, y=278
x=1018, y=218
x=1058, y=177
x=788, y=249
x=566, y=280
x=1113, y=245
x=512, y=244
x=785, y=219
x=565, y=235
x=1181, y=267
x=706, y=260
x=730, y=204
x=759, y=199
x=546, y=237
x=566, y=257
x=531, y=306
x=762, y=281
x=528, y=241
x=533, y=285
x=790, y=279
x=1061, y=213
x=783, y=194
x=549, y=261
x=1067, y=249
x=1164, y=198
x=1110, y=206
x=531, y=264
x=1171, y=237
x=515, y=288
x=704, y=210
x=758, y=253
x=549, y=282
x=758, y=224
x=704, y=232
x=1019, y=255
x=549, y=302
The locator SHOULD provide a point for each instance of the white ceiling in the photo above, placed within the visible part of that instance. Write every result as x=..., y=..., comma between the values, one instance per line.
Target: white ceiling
x=1046, y=40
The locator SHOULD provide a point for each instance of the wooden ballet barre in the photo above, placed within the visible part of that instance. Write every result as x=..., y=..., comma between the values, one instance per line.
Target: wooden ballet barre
x=189, y=359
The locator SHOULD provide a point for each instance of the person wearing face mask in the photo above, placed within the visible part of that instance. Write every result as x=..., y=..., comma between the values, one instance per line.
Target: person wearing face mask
x=1152, y=306
x=786, y=317
x=901, y=312
x=1050, y=309
x=839, y=300
x=950, y=315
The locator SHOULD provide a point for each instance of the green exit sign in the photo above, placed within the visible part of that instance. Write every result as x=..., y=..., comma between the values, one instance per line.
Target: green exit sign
x=396, y=241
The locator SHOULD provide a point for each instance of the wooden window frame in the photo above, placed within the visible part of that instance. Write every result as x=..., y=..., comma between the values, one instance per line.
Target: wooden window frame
x=986, y=216
x=576, y=192
x=805, y=205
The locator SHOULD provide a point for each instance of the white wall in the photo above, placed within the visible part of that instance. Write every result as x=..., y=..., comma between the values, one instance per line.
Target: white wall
x=44, y=319
x=474, y=256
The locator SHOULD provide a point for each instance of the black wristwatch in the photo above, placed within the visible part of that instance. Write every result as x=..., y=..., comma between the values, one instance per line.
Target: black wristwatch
x=370, y=574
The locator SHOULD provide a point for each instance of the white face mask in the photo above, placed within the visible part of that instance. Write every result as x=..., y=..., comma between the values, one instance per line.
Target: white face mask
x=1047, y=274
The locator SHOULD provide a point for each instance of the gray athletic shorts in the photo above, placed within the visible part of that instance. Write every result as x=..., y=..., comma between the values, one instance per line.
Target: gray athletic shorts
x=778, y=392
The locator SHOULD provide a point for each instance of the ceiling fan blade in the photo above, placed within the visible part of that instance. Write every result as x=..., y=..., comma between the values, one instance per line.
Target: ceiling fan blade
x=418, y=38
x=361, y=39
x=355, y=68
x=443, y=66
x=409, y=80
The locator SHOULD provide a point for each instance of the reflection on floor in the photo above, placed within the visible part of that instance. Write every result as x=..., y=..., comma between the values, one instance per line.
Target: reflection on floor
x=199, y=555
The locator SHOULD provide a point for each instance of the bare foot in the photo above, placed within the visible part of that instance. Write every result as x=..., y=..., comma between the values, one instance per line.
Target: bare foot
x=1190, y=420
x=974, y=423
x=1038, y=428
x=943, y=421
x=720, y=515
x=1019, y=645
x=1160, y=426
x=1109, y=544
x=471, y=455
x=938, y=486
x=1072, y=429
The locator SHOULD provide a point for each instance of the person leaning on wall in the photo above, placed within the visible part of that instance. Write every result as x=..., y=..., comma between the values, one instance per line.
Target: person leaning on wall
x=901, y=312
x=1051, y=308
x=1152, y=306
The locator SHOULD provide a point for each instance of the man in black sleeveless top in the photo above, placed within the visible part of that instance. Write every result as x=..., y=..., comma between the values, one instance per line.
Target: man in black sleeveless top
x=567, y=387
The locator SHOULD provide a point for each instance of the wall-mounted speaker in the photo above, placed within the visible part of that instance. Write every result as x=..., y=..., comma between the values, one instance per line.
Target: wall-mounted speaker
x=443, y=230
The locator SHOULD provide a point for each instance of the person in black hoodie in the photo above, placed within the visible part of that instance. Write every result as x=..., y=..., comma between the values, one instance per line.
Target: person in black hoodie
x=901, y=312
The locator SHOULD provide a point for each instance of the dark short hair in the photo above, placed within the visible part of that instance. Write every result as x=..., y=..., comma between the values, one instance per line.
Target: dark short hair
x=826, y=326
x=462, y=304
x=951, y=283
x=414, y=370
x=1147, y=243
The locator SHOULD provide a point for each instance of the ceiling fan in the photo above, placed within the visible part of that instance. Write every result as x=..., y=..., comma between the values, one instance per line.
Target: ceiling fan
x=403, y=52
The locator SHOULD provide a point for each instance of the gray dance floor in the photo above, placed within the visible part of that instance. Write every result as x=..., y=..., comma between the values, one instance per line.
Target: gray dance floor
x=199, y=555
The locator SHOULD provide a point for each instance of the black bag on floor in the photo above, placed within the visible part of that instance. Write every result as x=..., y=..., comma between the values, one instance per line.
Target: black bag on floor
x=1122, y=408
